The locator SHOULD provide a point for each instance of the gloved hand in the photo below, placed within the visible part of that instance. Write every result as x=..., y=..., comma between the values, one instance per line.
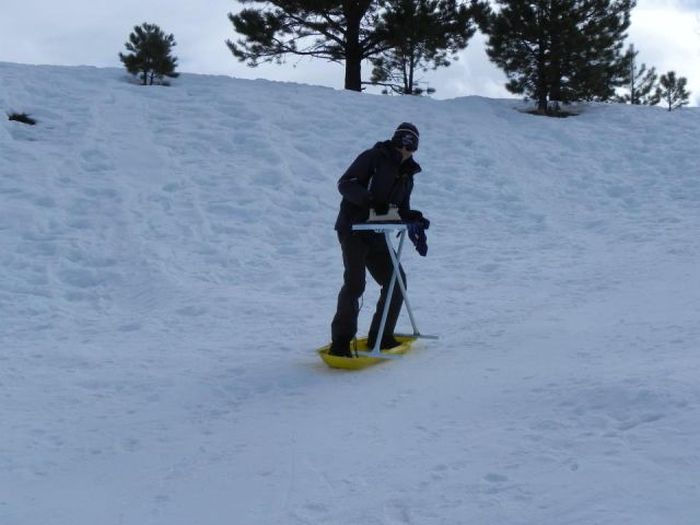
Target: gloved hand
x=380, y=207
x=416, y=233
x=416, y=217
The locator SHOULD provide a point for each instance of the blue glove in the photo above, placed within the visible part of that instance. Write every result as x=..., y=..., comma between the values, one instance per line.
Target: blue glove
x=416, y=232
x=416, y=217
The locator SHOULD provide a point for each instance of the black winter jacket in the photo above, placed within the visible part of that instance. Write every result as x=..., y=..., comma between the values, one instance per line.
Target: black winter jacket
x=376, y=174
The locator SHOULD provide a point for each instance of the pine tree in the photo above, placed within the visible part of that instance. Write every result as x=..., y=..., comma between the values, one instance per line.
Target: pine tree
x=150, y=54
x=603, y=25
x=422, y=35
x=639, y=81
x=672, y=90
x=560, y=50
x=336, y=30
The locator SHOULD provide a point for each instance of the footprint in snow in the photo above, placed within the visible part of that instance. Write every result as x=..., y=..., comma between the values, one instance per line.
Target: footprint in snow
x=94, y=160
x=495, y=478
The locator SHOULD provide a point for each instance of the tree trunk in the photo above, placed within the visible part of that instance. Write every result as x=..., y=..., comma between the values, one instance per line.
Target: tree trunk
x=542, y=88
x=411, y=73
x=354, y=11
x=353, y=72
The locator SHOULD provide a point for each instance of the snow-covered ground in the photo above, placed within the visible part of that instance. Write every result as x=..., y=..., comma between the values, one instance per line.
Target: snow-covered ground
x=168, y=265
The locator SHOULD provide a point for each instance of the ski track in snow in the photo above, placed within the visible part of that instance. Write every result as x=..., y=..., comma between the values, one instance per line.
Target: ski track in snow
x=169, y=265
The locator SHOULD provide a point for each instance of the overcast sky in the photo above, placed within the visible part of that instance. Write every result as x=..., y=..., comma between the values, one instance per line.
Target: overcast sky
x=93, y=32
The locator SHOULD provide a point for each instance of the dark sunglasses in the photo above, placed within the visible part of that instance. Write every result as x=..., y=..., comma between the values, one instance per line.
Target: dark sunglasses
x=409, y=141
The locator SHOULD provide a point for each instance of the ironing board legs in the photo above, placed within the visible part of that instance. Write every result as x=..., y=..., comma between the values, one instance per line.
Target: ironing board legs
x=396, y=276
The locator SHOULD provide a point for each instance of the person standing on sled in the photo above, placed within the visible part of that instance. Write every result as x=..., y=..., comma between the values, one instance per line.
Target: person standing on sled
x=379, y=177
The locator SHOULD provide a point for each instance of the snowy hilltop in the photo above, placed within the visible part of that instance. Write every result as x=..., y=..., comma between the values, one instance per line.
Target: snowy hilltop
x=169, y=265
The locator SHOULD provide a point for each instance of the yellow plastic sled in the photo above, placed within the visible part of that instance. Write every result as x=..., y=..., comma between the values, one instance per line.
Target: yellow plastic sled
x=362, y=360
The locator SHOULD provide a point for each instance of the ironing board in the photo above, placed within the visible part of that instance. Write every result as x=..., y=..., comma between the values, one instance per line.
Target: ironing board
x=389, y=228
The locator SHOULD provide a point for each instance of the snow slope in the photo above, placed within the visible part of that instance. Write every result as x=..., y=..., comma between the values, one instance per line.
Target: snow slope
x=168, y=265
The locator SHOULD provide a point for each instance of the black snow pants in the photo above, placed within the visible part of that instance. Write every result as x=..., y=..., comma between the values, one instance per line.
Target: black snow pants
x=365, y=249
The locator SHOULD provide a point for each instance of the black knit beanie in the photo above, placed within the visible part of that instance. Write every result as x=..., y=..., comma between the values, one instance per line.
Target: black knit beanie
x=407, y=135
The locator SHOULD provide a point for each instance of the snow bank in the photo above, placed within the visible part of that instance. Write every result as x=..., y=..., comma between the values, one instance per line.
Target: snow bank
x=168, y=266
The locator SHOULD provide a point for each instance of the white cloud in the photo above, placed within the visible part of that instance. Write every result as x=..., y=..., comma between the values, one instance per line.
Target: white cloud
x=667, y=35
